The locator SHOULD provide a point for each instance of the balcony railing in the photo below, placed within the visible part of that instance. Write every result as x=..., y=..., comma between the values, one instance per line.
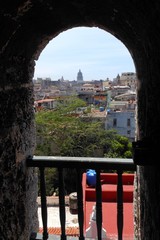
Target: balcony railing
x=81, y=164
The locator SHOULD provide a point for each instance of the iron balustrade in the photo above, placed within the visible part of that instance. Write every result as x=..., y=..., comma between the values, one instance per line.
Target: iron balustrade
x=80, y=164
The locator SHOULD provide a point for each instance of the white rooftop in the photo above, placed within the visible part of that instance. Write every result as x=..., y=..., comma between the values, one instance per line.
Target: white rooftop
x=53, y=217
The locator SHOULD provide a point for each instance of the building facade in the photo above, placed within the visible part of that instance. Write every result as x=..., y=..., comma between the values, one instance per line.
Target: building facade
x=123, y=122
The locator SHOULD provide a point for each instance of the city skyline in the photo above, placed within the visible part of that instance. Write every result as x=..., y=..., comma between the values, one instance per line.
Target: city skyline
x=97, y=53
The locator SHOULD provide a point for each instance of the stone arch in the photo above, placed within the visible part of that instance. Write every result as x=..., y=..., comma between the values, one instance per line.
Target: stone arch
x=26, y=27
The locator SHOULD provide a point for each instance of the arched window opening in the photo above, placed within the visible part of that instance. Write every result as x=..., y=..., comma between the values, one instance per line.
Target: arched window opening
x=94, y=66
x=85, y=99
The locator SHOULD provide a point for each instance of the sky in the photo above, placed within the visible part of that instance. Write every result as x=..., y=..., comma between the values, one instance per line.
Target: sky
x=97, y=53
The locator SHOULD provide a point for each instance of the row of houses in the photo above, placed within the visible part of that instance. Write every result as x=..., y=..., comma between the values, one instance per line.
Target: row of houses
x=110, y=101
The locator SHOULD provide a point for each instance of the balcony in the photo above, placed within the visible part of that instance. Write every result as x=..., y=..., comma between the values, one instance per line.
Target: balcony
x=81, y=164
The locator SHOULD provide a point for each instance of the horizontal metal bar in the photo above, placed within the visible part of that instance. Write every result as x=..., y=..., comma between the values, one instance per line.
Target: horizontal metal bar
x=124, y=164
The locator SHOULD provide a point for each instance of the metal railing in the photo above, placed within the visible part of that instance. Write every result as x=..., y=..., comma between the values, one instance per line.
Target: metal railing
x=119, y=165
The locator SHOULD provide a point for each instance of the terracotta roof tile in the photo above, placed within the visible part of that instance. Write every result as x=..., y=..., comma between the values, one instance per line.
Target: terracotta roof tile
x=70, y=231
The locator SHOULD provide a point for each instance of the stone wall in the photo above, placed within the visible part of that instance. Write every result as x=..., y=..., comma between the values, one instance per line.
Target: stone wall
x=26, y=28
x=18, y=184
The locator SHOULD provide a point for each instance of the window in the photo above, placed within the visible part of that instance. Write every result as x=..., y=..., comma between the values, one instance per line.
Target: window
x=128, y=122
x=114, y=122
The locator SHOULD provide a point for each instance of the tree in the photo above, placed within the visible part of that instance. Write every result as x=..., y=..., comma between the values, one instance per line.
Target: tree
x=63, y=132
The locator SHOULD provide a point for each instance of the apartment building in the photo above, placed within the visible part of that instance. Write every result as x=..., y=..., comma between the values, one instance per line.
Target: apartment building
x=121, y=117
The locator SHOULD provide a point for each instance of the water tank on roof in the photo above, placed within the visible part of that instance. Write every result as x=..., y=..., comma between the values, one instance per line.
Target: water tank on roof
x=101, y=109
x=91, y=177
x=73, y=204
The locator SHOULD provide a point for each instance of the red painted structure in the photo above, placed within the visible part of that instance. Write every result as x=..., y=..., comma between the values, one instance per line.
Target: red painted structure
x=109, y=204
